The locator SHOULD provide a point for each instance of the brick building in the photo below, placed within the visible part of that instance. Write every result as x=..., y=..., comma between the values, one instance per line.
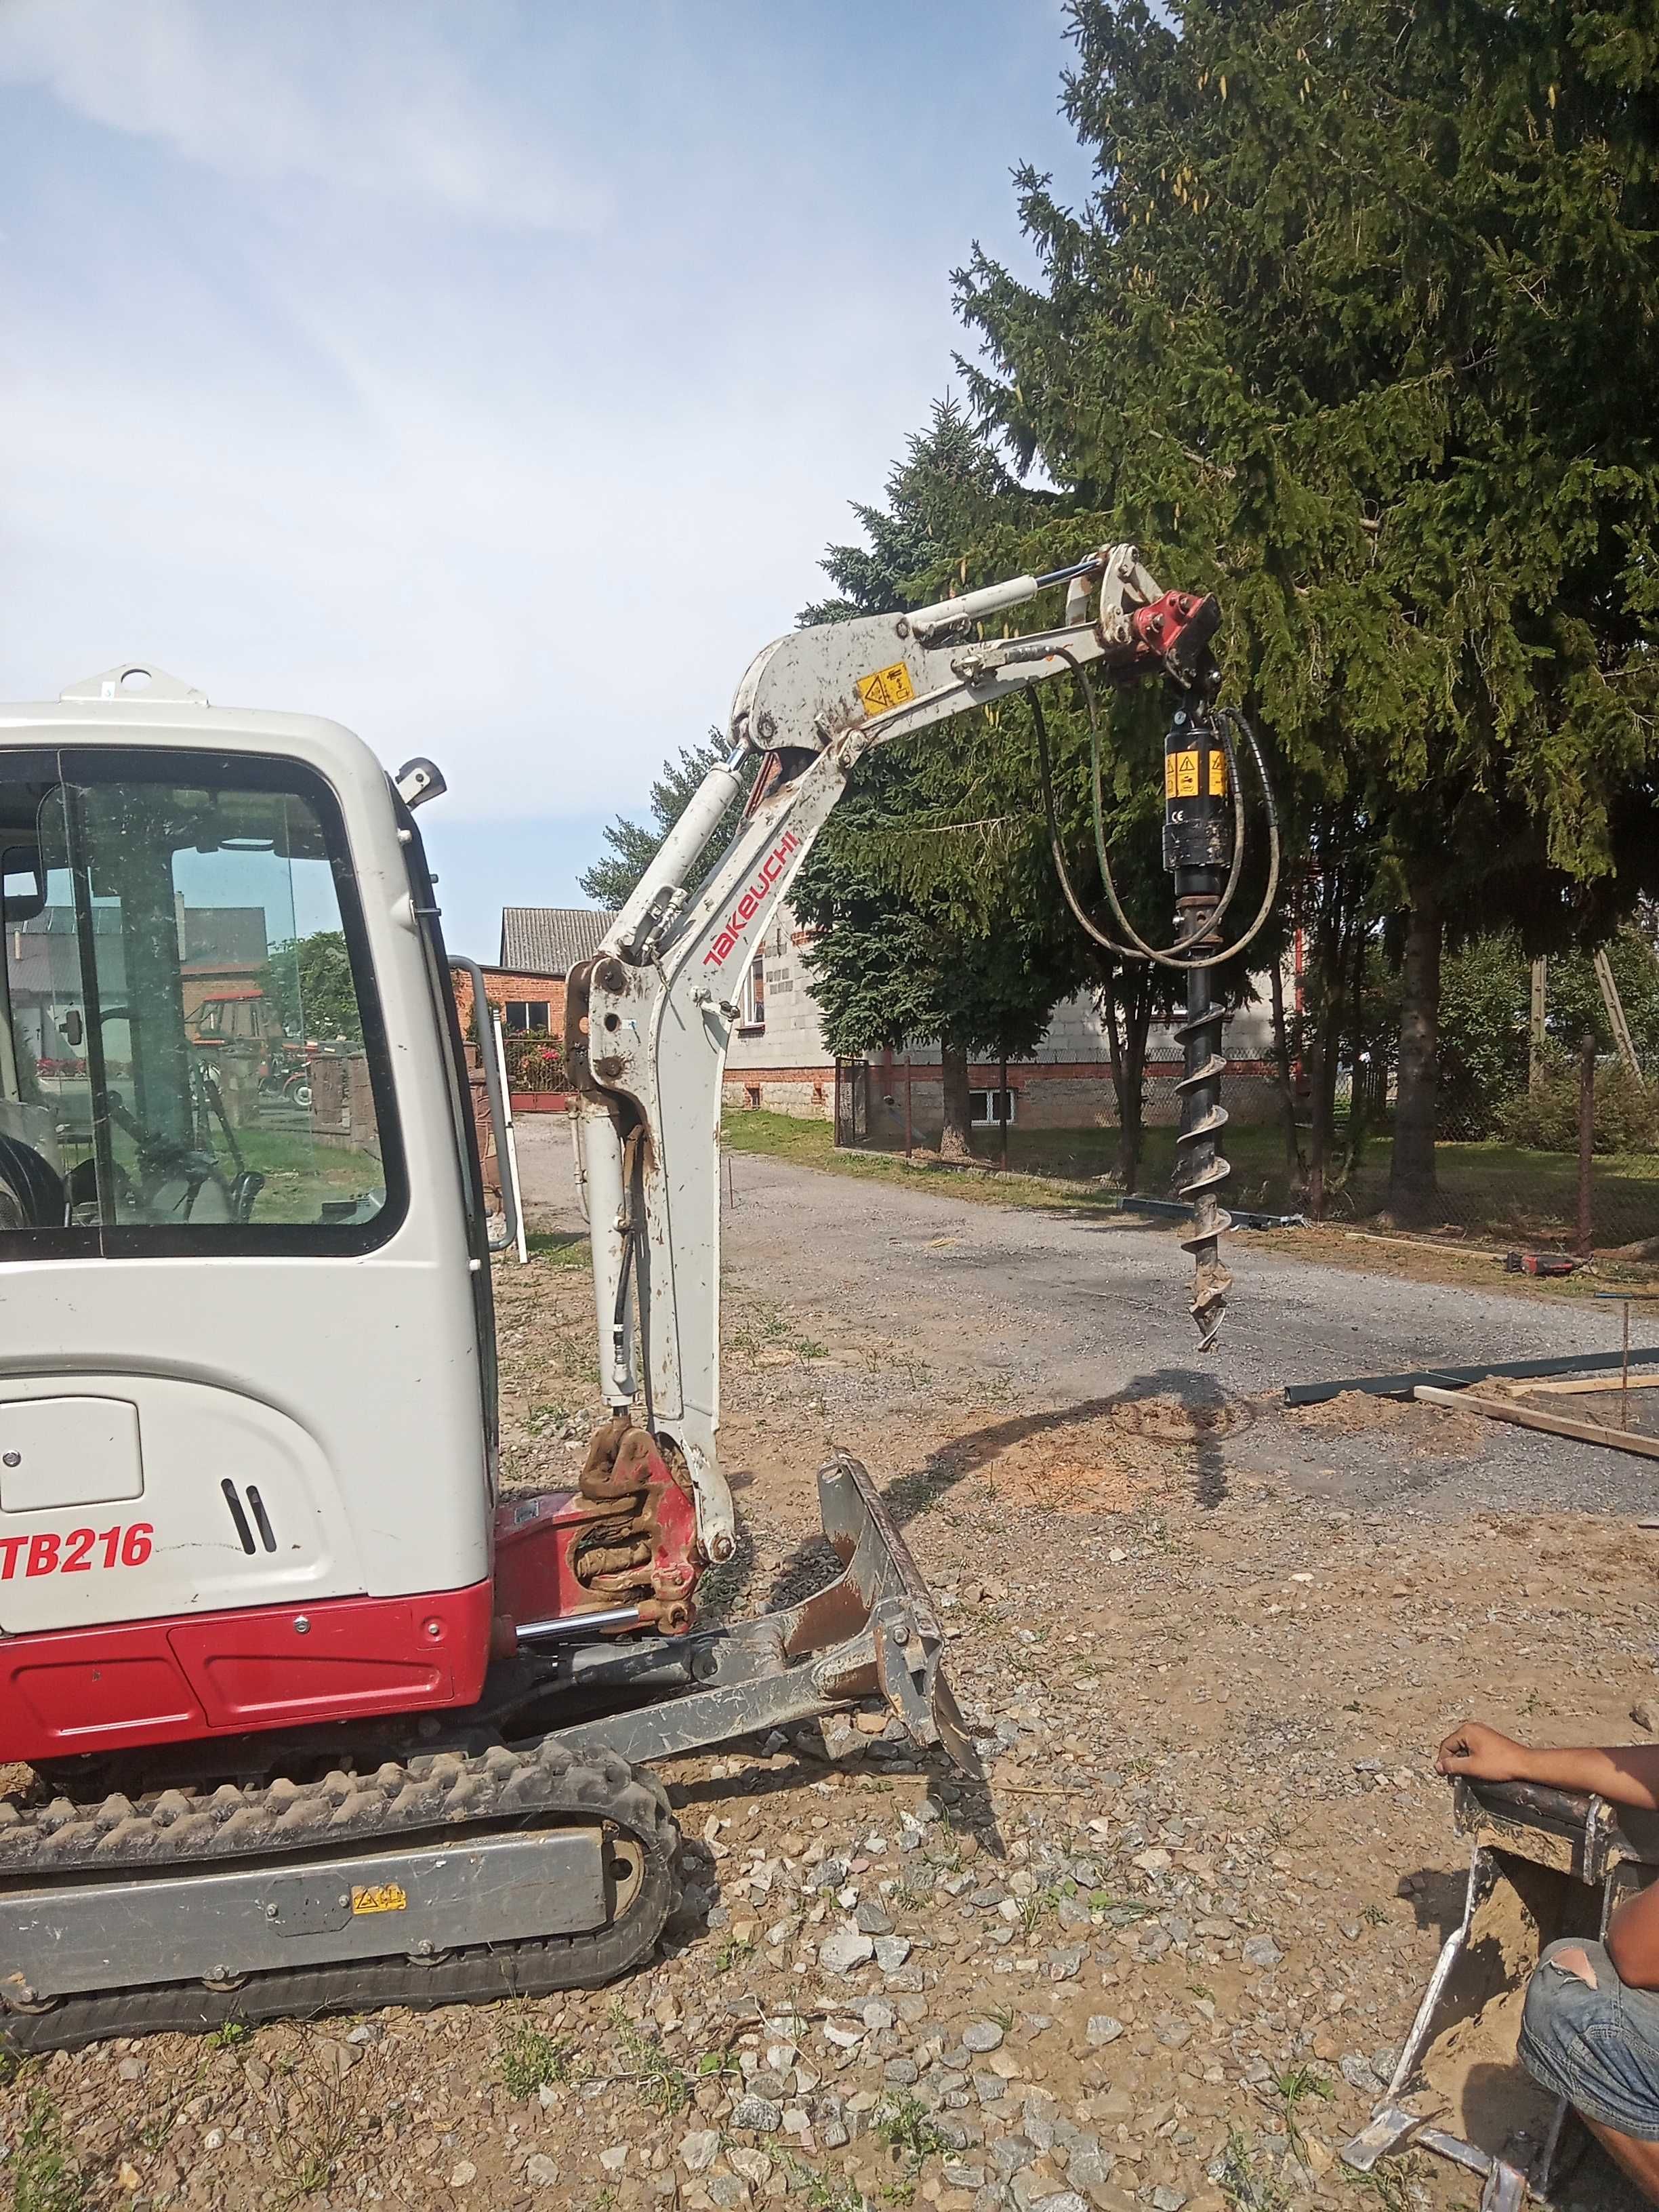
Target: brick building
x=778, y=1060
x=540, y=945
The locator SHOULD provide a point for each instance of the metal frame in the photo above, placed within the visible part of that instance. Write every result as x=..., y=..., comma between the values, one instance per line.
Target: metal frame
x=1583, y=1837
x=494, y=1091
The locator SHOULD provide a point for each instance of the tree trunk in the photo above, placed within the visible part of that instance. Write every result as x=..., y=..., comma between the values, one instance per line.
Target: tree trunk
x=1358, y=1089
x=1412, y=1192
x=1131, y=1090
x=1295, y=1167
x=953, y=1143
x=1322, y=1029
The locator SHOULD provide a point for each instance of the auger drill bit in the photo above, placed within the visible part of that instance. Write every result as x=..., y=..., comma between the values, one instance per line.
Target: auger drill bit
x=1200, y=1167
x=1198, y=851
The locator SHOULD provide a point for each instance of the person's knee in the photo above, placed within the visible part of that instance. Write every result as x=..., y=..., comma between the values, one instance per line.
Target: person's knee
x=1571, y=1957
x=1560, y=1982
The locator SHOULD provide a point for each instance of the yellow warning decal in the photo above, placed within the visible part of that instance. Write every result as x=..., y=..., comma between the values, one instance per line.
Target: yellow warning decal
x=1180, y=776
x=887, y=689
x=379, y=1897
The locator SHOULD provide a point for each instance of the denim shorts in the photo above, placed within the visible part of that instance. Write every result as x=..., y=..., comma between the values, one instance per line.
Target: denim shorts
x=1598, y=2048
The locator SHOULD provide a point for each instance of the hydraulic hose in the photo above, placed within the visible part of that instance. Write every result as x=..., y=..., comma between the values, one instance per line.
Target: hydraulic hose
x=1203, y=846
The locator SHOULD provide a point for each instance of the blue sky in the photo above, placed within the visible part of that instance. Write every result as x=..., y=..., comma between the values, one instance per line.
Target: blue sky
x=489, y=375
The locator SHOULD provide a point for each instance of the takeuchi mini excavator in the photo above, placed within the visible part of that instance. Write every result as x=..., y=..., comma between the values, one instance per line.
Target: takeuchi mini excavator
x=319, y=1719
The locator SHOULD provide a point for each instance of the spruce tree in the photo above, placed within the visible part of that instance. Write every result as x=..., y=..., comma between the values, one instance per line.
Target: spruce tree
x=1355, y=329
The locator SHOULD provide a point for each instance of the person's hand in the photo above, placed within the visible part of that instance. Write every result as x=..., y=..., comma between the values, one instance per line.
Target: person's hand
x=1481, y=1752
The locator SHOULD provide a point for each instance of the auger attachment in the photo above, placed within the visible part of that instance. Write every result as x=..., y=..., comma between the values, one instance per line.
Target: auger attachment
x=1198, y=851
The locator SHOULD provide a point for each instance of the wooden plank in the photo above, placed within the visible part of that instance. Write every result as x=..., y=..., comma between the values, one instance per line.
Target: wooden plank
x=1529, y=1417
x=1602, y=1384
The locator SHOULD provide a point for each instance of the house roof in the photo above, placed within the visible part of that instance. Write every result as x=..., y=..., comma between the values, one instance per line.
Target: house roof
x=549, y=940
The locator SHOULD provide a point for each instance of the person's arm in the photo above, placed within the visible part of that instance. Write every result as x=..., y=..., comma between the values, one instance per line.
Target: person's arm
x=1633, y=1939
x=1623, y=1773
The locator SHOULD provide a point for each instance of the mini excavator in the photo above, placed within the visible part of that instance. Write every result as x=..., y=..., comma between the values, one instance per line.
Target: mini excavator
x=319, y=1719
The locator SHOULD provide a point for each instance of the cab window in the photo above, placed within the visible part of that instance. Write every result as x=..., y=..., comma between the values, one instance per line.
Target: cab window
x=188, y=1041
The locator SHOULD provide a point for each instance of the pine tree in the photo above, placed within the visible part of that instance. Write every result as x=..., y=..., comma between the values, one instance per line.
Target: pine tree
x=634, y=845
x=1355, y=330
x=933, y=888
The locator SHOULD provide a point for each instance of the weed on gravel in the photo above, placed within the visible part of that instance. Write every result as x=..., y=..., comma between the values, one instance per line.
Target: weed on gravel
x=45, y=2178
x=529, y=2060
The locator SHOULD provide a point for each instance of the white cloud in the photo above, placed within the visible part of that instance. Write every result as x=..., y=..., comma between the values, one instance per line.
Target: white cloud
x=355, y=94
x=523, y=496
x=493, y=591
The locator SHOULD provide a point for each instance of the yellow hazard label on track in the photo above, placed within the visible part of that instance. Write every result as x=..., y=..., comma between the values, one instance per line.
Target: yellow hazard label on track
x=379, y=1897
x=887, y=689
x=1180, y=776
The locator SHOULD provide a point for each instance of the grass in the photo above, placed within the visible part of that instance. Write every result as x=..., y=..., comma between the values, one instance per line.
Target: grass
x=817, y=2191
x=1240, y=2184
x=1390, y=2187
x=323, y=2128
x=1492, y=1192
x=906, y=2126
x=562, y=1248
x=45, y=2176
x=530, y=2060
x=812, y=1145
x=1295, y=2086
x=661, y=2086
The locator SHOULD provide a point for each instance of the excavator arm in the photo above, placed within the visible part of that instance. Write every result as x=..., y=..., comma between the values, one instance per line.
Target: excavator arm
x=649, y=1019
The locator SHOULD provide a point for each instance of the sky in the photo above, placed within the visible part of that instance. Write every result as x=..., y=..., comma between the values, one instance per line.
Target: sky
x=488, y=375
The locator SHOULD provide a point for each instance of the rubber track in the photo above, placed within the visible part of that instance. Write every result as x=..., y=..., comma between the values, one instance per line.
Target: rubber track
x=442, y=1792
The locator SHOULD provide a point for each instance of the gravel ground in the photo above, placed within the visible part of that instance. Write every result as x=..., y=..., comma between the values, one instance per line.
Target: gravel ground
x=1161, y=1957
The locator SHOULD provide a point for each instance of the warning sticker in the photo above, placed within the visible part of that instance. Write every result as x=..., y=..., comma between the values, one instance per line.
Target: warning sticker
x=379, y=1897
x=1180, y=776
x=887, y=689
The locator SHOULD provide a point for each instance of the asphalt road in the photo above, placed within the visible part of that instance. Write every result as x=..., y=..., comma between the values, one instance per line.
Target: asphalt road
x=1072, y=1311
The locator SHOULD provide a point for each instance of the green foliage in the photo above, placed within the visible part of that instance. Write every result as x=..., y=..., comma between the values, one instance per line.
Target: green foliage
x=661, y=2086
x=932, y=890
x=307, y=980
x=1485, y=999
x=1575, y=1005
x=906, y=2128
x=633, y=845
x=1626, y=1118
x=535, y=1059
x=530, y=2059
x=1338, y=335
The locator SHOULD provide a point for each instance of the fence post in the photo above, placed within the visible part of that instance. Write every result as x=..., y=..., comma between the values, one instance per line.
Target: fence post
x=1002, y=1106
x=909, y=1123
x=1535, y=1028
x=1586, y=1137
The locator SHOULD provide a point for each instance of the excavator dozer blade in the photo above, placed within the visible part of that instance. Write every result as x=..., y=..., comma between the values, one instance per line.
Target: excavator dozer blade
x=872, y=1633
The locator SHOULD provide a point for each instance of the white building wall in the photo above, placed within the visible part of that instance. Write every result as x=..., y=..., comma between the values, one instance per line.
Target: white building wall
x=785, y=1065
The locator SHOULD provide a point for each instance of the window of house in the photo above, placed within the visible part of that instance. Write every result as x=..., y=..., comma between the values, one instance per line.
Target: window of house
x=751, y=1014
x=983, y=1111
x=527, y=1013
